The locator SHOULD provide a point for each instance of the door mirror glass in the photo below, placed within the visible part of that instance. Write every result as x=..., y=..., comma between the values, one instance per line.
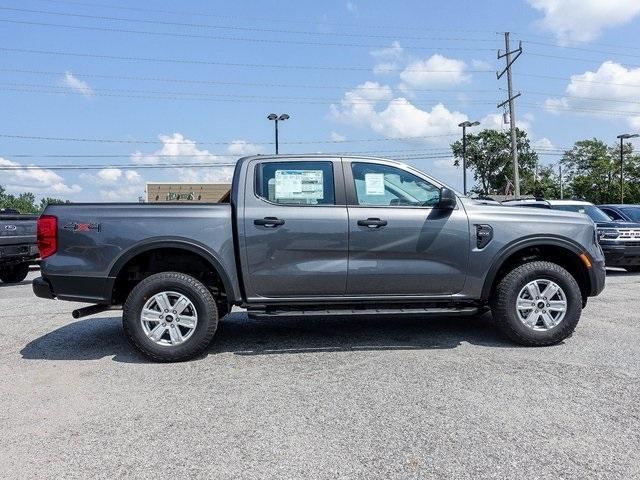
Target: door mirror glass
x=447, y=199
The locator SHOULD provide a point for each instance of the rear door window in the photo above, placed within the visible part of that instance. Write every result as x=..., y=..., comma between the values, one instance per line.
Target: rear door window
x=296, y=183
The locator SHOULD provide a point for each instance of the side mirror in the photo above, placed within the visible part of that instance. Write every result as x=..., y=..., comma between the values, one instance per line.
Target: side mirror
x=447, y=199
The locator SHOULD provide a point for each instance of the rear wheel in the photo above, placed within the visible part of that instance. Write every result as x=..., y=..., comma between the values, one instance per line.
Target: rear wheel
x=14, y=273
x=170, y=317
x=537, y=304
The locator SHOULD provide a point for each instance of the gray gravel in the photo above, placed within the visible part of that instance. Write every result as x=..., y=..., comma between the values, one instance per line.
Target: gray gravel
x=321, y=398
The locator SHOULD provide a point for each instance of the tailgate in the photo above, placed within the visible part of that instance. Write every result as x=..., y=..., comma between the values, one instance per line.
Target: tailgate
x=17, y=229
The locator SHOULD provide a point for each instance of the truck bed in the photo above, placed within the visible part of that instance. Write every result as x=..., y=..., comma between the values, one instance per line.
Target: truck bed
x=96, y=239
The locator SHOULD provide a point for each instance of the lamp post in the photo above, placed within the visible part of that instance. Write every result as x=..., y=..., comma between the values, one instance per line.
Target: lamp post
x=464, y=126
x=623, y=137
x=276, y=118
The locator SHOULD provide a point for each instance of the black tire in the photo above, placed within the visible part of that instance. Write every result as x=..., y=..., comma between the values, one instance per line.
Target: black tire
x=14, y=273
x=503, y=304
x=195, y=291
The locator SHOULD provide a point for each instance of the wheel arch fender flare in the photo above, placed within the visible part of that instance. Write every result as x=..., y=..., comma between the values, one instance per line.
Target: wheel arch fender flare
x=177, y=243
x=520, y=244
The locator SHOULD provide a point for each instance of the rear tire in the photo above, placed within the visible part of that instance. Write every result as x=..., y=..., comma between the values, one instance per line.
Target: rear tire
x=162, y=335
x=512, y=304
x=14, y=273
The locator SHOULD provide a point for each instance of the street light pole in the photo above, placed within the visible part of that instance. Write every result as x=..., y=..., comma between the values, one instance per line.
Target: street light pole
x=464, y=126
x=276, y=118
x=623, y=137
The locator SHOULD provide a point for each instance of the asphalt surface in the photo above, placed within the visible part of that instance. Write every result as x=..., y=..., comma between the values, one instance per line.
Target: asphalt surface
x=321, y=398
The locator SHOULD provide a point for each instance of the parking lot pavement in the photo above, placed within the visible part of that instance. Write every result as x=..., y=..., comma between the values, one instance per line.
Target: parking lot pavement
x=321, y=398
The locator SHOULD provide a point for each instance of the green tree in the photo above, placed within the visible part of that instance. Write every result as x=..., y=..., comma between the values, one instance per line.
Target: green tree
x=24, y=202
x=593, y=171
x=489, y=156
x=51, y=201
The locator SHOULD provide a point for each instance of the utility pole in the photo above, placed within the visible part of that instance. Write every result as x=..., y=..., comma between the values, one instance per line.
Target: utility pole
x=512, y=113
x=464, y=126
x=623, y=137
x=561, y=185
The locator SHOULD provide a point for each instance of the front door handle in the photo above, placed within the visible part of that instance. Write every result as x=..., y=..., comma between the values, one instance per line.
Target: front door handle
x=372, y=223
x=270, y=222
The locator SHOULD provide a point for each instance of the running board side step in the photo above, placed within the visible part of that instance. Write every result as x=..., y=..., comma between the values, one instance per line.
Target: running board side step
x=430, y=312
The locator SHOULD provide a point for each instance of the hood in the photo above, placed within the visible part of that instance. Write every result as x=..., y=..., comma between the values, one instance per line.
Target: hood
x=527, y=213
x=618, y=225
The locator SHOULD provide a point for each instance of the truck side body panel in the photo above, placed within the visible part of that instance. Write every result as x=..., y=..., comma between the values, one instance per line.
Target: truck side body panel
x=88, y=258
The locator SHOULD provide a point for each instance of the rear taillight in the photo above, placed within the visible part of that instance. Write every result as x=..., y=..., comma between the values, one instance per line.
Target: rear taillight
x=47, y=235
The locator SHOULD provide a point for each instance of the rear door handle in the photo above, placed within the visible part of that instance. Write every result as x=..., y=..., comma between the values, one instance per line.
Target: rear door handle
x=372, y=223
x=270, y=222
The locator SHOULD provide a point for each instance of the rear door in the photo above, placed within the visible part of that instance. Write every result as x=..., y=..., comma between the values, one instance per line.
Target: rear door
x=295, y=228
x=399, y=242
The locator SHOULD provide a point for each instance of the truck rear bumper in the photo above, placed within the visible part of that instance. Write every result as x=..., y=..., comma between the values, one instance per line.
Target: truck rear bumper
x=42, y=288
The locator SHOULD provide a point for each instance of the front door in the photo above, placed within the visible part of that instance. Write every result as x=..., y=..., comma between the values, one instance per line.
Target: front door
x=295, y=229
x=400, y=243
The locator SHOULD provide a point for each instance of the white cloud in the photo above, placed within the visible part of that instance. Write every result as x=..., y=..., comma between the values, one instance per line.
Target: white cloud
x=397, y=117
x=132, y=176
x=584, y=20
x=38, y=180
x=542, y=144
x=610, y=88
x=69, y=80
x=177, y=149
x=244, y=148
x=435, y=71
x=352, y=7
x=336, y=137
x=481, y=65
x=388, y=58
x=495, y=121
x=109, y=175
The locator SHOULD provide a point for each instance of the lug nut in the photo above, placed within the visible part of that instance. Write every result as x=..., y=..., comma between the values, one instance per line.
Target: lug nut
x=166, y=310
x=175, y=311
x=164, y=324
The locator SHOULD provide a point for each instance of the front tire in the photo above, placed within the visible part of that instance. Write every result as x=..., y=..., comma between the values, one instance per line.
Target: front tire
x=537, y=304
x=170, y=317
x=14, y=273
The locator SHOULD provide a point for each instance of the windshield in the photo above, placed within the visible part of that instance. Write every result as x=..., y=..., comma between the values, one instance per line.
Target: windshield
x=592, y=211
x=632, y=212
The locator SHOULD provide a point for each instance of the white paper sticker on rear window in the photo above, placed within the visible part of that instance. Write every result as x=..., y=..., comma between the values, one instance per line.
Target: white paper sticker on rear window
x=304, y=185
x=374, y=183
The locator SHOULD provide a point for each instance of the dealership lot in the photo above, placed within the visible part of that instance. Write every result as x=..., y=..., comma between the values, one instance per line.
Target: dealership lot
x=321, y=398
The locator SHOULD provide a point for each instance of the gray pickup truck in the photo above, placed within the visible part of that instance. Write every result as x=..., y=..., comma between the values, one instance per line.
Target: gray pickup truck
x=320, y=235
x=18, y=247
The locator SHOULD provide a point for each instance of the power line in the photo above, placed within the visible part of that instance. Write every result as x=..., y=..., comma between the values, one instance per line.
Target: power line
x=259, y=19
x=158, y=141
x=244, y=29
x=575, y=59
x=223, y=38
x=229, y=83
x=207, y=95
x=209, y=62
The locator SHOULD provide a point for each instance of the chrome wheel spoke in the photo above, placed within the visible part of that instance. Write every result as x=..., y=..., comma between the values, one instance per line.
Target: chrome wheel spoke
x=534, y=290
x=182, y=303
x=187, y=321
x=176, y=335
x=531, y=319
x=525, y=304
x=157, y=332
x=149, y=315
x=557, y=305
x=550, y=291
x=548, y=320
x=162, y=299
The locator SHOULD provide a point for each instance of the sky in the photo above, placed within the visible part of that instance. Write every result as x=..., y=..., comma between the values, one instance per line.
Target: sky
x=100, y=96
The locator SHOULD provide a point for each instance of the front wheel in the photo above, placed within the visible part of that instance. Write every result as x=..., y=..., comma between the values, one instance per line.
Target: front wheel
x=537, y=304
x=14, y=273
x=170, y=317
